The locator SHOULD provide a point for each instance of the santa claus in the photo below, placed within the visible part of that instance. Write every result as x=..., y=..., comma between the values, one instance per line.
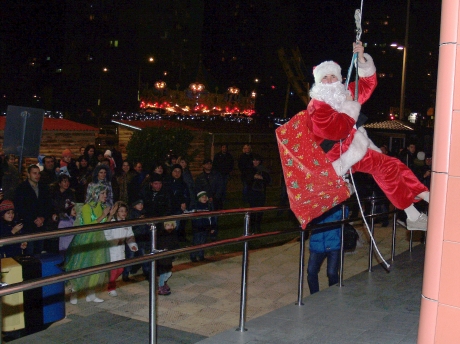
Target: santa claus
x=333, y=118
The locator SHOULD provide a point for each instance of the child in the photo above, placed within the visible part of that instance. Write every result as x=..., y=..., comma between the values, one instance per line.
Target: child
x=143, y=240
x=9, y=227
x=167, y=239
x=201, y=226
x=116, y=238
x=67, y=219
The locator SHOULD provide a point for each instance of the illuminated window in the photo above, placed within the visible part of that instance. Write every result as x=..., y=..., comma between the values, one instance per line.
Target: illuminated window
x=114, y=44
x=91, y=17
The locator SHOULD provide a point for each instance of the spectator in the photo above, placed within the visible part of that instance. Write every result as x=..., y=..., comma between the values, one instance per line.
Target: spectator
x=117, y=237
x=136, y=183
x=91, y=157
x=325, y=243
x=48, y=175
x=62, y=194
x=33, y=206
x=211, y=182
x=3, y=166
x=10, y=179
x=9, y=226
x=425, y=171
x=257, y=182
x=223, y=163
x=112, y=165
x=143, y=239
x=117, y=157
x=67, y=220
x=160, y=169
x=188, y=179
x=124, y=178
x=202, y=226
x=90, y=248
x=180, y=197
x=245, y=166
x=408, y=155
x=167, y=239
x=101, y=176
x=83, y=177
x=157, y=202
x=68, y=166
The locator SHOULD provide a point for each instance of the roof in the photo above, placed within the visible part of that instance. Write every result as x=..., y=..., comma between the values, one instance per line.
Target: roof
x=389, y=125
x=57, y=124
x=139, y=125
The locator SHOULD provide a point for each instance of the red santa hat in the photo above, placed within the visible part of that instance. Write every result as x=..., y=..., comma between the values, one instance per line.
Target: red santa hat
x=325, y=68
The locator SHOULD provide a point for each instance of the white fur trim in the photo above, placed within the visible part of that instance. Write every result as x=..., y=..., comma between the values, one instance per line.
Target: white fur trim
x=368, y=68
x=351, y=108
x=354, y=153
x=325, y=68
x=371, y=144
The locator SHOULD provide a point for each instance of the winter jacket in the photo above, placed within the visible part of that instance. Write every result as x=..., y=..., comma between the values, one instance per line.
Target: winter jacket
x=326, y=239
x=212, y=183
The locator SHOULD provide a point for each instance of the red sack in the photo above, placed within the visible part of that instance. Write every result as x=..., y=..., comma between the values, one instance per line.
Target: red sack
x=312, y=185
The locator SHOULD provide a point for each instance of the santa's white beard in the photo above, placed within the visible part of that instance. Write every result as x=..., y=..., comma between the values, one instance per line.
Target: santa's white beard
x=333, y=94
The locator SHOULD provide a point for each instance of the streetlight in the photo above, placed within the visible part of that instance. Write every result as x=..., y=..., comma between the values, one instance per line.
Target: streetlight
x=160, y=87
x=104, y=70
x=196, y=89
x=253, y=99
x=403, y=77
x=151, y=59
x=232, y=95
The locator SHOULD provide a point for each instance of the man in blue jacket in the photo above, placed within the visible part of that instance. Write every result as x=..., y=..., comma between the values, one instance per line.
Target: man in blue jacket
x=325, y=243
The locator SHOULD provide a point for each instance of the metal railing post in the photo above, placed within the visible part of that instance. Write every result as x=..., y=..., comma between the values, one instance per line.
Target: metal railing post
x=393, y=243
x=411, y=240
x=301, y=268
x=152, y=289
x=342, y=251
x=244, y=276
x=371, y=246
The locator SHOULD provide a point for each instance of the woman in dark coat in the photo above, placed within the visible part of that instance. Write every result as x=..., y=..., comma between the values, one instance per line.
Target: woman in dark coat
x=257, y=181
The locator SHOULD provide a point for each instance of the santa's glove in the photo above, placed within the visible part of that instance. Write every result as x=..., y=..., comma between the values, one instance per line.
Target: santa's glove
x=355, y=153
x=371, y=144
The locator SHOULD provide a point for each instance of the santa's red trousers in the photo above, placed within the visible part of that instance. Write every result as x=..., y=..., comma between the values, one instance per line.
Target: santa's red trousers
x=395, y=179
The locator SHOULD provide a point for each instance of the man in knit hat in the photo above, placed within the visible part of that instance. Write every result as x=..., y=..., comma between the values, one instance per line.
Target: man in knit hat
x=333, y=118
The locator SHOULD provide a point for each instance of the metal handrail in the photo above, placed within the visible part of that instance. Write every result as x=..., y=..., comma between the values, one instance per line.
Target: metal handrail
x=160, y=254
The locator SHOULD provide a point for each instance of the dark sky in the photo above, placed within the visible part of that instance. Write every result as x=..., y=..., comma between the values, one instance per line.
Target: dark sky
x=322, y=30
x=252, y=31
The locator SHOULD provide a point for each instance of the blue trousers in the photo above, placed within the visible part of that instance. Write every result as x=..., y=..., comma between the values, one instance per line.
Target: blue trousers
x=198, y=239
x=314, y=265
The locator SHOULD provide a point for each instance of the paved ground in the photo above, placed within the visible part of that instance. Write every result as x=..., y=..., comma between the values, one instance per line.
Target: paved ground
x=205, y=298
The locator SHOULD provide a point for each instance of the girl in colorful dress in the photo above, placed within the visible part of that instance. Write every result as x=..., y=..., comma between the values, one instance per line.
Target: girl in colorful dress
x=91, y=248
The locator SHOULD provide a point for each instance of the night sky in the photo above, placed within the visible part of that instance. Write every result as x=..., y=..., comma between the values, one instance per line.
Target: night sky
x=240, y=41
x=323, y=30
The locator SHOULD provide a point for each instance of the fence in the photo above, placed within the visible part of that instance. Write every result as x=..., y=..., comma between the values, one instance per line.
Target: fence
x=159, y=254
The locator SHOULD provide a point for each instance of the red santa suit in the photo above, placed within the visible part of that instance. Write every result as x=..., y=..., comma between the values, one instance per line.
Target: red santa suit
x=332, y=119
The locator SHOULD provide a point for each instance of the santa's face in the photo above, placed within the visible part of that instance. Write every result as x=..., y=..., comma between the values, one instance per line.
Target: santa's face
x=329, y=79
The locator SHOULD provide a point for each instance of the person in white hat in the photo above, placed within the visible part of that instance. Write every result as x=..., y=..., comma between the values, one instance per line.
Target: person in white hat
x=334, y=119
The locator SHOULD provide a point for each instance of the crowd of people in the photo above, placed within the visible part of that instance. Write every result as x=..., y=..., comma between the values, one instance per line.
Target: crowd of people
x=98, y=187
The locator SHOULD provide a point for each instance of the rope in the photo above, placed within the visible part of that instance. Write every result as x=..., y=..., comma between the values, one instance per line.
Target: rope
x=354, y=62
x=367, y=226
